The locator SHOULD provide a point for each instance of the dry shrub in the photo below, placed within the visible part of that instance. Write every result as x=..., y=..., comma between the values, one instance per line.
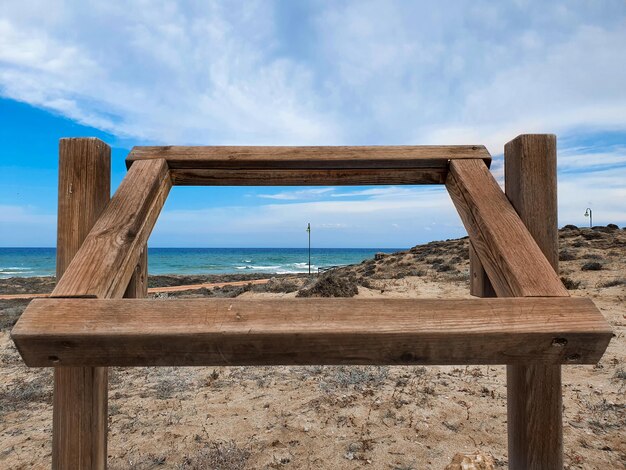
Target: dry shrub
x=217, y=456
x=565, y=255
x=591, y=266
x=613, y=283
x=331, y=285
x=570, y=284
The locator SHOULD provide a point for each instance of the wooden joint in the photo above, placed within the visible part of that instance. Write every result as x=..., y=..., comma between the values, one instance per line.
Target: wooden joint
x=106, y=261
x=512, y=259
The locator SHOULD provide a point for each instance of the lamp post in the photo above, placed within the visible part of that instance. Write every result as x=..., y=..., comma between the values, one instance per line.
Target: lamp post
x=588, y=213
x=308, y=229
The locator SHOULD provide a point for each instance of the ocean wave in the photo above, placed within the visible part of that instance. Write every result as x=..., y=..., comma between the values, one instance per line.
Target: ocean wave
x=246, y=261
x=14, y=268
x=258, y=267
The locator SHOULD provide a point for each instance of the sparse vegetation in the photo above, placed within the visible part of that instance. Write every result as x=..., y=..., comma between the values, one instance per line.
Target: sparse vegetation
x=570, y=284
x=11, y=312
x=356, y=378
x=217, y=456
x=613, y=283
x=24, y=391
x=332, y=284
x=591, y=266
x=565, y=255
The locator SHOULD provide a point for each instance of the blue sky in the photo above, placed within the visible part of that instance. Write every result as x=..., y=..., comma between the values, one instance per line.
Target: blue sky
x=310, y=73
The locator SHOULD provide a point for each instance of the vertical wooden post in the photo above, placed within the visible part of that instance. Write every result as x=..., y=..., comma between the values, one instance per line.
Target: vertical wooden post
x=534, y=396
x=80, y=393
x=138, y=285
x=480, y=286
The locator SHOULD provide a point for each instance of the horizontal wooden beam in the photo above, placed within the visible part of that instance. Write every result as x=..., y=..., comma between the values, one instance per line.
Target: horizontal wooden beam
x=284, y=166
x=344, y=177
x=515, y=264
x=132, y=332
x=106, y=261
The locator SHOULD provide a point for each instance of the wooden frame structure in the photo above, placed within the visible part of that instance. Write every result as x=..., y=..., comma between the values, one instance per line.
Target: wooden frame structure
x=96, y=317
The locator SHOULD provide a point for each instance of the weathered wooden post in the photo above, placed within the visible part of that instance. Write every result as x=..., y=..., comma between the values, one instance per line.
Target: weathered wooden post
x=80, y=393
x=534, y=394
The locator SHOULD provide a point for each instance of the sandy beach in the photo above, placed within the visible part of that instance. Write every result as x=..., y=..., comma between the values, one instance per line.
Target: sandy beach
x=333, y=417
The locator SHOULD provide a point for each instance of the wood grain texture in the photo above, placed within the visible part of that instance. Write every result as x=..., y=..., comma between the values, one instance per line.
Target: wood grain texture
x=215, y=332
x=79, y=417
x=138, y=284
x=107, y=259
x=531, y=185
x=480, y=285
x=307, y=177
x=534, y=396
x=84, y=192
x=312, y=158
x=513, y=261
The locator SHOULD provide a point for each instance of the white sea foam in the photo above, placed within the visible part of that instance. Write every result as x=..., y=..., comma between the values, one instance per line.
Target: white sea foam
x=258, y=268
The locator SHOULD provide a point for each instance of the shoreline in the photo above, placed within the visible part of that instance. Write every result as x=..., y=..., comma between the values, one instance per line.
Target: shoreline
x=41, y=285
x=158, y=290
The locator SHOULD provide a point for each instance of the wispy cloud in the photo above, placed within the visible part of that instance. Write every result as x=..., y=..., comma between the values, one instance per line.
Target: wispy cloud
x=297, y=195
x=209, y=73
x=367, y=222
x=366, y=72
x=582, y=159
x=386, y=192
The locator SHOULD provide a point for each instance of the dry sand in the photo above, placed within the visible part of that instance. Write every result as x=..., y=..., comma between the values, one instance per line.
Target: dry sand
x=338, y=417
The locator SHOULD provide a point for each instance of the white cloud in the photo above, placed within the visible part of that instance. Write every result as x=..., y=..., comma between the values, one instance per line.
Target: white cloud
x=297, y=195
x=165, y=73
x=603, y=191
x=585, y=159
x=368, y=222
x=386, y=192
x=365, y=71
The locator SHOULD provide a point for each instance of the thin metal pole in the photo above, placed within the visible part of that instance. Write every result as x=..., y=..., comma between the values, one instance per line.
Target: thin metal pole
x=309, y=230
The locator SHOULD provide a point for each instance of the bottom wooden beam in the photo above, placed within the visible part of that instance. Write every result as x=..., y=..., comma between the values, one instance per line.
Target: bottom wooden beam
x=129, y=332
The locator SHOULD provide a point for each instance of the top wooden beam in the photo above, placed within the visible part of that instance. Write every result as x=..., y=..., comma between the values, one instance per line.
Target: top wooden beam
x=309, y=165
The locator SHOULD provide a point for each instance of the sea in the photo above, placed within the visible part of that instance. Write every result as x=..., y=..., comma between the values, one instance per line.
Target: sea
x=26, y=262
